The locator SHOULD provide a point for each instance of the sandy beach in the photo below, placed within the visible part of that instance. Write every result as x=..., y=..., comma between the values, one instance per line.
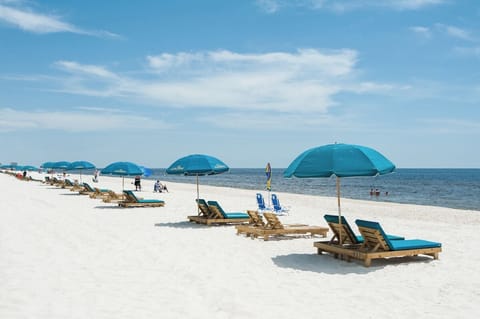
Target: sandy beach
x=63, y=255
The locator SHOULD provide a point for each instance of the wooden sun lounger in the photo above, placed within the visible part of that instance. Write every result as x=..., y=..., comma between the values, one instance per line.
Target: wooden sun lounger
x=377, y=245
x=212, y=213
x=275, y=227
x=132, y=201
x=256, y=220
x=111, y=196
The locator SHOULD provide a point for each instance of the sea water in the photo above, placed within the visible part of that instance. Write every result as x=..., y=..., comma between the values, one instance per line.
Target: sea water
x=452, y=188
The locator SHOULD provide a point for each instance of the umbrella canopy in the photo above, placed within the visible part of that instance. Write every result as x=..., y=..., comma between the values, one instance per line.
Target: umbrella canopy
x=47, y=165
x=60, y=165
x=341, y=160
x=122, y=169
x=80, y=165
x=9, y=166
x=27, y=168
x=197, y=165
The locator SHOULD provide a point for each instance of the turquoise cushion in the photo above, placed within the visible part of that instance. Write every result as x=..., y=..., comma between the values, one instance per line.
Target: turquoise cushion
x=413, y=244
x=236, y=215
x=150, y=201
x=390, y=237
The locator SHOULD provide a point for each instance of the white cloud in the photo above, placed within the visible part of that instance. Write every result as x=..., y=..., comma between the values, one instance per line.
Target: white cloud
x=306, y=80
x=455, y=32
x=83, y=120
x=272, y=6
x=28, y=20
x=422, y=31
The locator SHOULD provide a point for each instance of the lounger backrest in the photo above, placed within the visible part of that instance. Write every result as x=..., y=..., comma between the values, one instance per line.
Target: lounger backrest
x=373, y=235
x=203, y=206
x=273, y=221
x=217, y=209
x=260, y=201
x=256, y=219
x=88, y=187
x=130, y=196
x=347, y=234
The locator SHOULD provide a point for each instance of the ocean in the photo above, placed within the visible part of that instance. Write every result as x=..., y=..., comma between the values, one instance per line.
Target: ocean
x=452, y=188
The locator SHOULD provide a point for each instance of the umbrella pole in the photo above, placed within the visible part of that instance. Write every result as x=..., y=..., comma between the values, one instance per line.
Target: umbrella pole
x=198, y=197
x=339, y=211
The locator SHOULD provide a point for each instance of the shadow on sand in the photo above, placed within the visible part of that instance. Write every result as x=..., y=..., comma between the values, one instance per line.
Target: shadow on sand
x=326, y=264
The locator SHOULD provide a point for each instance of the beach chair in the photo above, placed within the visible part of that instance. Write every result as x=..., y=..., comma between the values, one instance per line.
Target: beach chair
x=275, y=227
x=261, y=203
x=347, y=234
x=111, y=196
x=216, y=215
x=99, y=192
x=277, y=208
x=376, y=245
x=132, y=201
x=256, y=220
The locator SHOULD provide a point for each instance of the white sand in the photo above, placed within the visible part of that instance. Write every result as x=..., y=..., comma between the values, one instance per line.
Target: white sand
x=68, y=256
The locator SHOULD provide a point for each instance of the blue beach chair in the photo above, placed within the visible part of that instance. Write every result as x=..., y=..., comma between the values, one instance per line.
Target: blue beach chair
x=261, y=203
x=277, y=208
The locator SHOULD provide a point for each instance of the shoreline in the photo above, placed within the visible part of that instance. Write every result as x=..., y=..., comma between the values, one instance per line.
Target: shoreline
x=67, y=255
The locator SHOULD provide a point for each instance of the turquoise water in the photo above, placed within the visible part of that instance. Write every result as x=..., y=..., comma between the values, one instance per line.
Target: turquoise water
x=453, y=188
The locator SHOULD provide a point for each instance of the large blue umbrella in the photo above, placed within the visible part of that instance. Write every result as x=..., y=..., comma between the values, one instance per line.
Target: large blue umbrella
x=197, y=165
x=47, y=165
x=341, y=160
x=122, y=169
x=80, y=165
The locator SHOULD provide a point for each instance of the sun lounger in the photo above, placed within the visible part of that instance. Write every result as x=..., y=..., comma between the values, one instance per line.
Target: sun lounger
x=99, y=192
x=348, y=237
x=256, y=220
x=274, y=227
x=132, y=201
x=111, y=196
x=212, y=213
x=377, y=245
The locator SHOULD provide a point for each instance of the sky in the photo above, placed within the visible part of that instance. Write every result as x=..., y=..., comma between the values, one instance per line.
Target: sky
x=249, y=82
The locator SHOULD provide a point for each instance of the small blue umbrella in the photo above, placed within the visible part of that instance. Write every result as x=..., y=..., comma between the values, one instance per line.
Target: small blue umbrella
x=122, y=169
x=341, y=160
x=9, y=166
x=47, y=165
x=27, y=168
x=146, y=171
x=80, y=165
x=197, y=165
x=60, y=165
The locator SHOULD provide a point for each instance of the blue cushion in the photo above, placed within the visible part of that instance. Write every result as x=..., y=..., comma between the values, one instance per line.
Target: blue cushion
x=398, y=244
x=237, y=215
x=414, y=244
x=149, y=201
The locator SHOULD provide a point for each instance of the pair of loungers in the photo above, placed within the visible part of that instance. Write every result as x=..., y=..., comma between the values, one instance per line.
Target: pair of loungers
x=274, y=227
x=372, y=244
x=212, y=213
x=126, y=199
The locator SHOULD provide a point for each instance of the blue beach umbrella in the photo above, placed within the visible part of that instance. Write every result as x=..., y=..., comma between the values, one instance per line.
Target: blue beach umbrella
x=122, y=169
x=27, y=168
x=197, y=165
x=80, y=165
x=60, y=165
x=47, y=165
x=341, y=160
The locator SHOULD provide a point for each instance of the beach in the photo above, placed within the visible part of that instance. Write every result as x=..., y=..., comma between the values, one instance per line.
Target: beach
x=64, y=255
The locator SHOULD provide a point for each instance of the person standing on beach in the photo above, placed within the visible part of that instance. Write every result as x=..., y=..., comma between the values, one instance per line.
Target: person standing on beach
x=138, y=186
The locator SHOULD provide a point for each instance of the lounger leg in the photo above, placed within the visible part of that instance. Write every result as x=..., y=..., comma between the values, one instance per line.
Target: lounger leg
x=265, y=237
x=367, y=262
x=319, y=251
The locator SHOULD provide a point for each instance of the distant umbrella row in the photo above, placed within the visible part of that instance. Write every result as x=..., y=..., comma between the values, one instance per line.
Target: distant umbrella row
x=340, y=160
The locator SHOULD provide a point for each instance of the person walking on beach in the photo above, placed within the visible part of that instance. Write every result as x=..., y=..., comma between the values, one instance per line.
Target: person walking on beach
x=138, y=186
x=95, y=176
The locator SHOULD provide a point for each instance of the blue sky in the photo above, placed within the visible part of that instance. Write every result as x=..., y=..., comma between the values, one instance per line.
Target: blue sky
x=246, y=81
